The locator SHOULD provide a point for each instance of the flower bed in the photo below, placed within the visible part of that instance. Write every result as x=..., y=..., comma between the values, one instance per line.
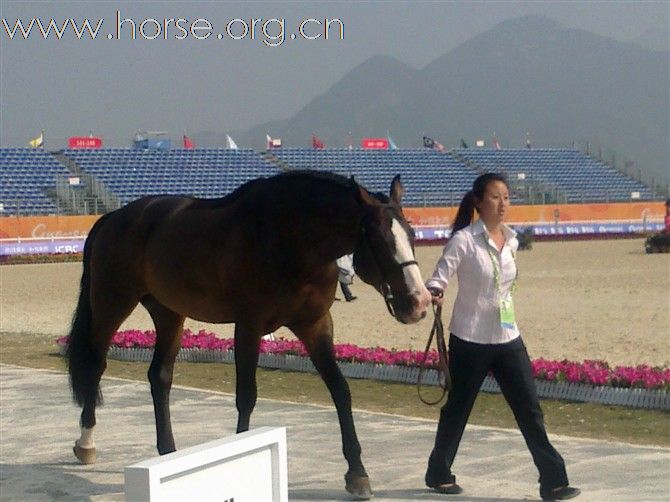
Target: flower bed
x=592, y=373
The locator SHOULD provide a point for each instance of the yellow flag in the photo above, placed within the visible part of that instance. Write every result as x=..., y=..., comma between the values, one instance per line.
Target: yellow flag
x=37, y=142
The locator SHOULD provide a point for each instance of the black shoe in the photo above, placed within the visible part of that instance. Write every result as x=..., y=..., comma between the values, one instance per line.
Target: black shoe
x=560, y=493
x=351, y=298
x=446, y=485
x=447, y=488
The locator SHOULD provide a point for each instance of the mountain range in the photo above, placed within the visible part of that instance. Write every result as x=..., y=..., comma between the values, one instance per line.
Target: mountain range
x=526, y=78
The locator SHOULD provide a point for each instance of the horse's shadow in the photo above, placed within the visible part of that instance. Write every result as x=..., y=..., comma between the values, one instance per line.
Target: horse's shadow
x=408, y=494
x=53, y=482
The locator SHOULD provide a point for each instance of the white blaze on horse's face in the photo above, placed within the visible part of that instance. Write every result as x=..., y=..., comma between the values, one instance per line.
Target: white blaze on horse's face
x=415, y=285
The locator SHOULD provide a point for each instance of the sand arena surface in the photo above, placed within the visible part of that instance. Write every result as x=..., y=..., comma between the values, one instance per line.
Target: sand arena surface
x=576, y=300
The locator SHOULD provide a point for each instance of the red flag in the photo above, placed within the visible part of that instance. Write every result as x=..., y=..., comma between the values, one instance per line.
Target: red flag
x=188, y=143
x=317, y=143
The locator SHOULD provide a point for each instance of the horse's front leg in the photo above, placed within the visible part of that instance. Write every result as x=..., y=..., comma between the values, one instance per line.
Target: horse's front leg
x=318, y=338
x=247, y=343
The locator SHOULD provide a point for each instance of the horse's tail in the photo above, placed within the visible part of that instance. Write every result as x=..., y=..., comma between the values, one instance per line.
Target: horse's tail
x=82, y=357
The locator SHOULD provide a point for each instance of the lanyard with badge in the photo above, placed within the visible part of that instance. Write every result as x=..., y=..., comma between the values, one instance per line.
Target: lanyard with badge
x=507, y=319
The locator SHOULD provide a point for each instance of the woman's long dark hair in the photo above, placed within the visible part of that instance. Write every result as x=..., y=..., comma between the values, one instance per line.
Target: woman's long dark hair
x=466, y=211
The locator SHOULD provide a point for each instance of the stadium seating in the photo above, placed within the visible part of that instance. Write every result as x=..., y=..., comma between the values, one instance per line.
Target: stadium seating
x=133, y=173
x=430, y=177
x=576, y=175
x=25, y=175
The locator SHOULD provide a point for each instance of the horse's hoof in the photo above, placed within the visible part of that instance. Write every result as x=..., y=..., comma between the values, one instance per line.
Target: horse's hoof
x=358, y=486
x=84, y=455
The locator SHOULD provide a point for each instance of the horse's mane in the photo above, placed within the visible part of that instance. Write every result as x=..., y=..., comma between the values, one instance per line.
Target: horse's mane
x=319, y=175
x=323, y=176
x=334, y=178
x=231, y=197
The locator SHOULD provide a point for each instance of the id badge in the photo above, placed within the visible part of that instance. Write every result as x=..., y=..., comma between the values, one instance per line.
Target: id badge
x=507, y=319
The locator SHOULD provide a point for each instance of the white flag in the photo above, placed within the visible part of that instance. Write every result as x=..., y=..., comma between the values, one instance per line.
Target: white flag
x=230, y=143
x=272, y=142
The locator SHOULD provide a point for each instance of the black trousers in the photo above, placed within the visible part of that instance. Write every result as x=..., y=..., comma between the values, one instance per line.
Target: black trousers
x=509, y=362
x=346, y=291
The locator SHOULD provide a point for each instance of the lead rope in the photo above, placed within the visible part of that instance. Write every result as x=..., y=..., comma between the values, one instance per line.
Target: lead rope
x=443, y=376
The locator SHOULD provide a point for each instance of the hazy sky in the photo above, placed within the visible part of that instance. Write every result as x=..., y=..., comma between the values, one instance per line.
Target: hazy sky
x=115, y=87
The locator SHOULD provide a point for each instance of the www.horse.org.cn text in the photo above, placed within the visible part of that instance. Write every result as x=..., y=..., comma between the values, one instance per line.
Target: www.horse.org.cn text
x=271, y=31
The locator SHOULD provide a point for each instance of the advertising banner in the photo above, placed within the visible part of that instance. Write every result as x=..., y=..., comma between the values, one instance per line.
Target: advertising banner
x=78, y=142
x=375, y=143
x=45, y=227
x=66, y=234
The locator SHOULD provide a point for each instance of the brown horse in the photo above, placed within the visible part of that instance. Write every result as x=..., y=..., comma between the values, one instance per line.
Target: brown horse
x=262, y=257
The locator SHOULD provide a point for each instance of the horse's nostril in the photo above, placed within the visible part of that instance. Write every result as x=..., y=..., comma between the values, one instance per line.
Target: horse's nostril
x=423, y=315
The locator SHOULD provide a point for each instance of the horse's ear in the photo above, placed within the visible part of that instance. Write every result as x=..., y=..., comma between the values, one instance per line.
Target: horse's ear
x=397, y=190
x=365, y=197
x=353, y=183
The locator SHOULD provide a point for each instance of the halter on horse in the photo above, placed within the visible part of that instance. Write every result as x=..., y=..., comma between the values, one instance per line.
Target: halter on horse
x=262, y=257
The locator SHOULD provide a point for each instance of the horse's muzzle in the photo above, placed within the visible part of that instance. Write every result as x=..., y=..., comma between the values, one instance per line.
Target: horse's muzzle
x=409, y=308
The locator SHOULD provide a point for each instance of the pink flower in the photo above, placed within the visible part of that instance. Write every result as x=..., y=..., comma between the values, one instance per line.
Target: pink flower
x=588, y=372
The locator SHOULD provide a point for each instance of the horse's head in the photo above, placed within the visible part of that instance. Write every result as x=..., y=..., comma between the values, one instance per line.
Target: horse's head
x=384, y=255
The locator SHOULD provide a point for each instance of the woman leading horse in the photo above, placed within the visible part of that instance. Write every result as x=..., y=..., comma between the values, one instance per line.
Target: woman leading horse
x=262, y=257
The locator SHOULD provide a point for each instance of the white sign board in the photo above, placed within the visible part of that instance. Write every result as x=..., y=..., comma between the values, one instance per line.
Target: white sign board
x=248, y=466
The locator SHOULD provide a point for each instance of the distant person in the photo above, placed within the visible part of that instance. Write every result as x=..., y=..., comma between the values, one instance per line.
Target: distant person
x=666, y=230
x=485, y=337
x=345, y=267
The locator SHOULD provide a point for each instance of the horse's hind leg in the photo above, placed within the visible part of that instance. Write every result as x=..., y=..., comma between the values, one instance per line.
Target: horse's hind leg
x=318, y=339
x=246, y=361
x=169, y=327
x=106, y=317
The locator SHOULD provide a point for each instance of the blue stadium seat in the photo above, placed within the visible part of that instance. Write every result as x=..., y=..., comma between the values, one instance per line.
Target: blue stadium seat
x=26, y=175
x=133, y=173
x=579, y=177
x=430, y=177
